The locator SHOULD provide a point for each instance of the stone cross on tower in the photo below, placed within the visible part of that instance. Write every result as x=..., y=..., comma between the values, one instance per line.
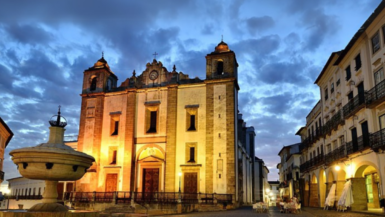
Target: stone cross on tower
x=155, y=54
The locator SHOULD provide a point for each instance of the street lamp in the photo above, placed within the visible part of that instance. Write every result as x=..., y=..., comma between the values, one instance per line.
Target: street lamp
x=267, y=193
x=180, y=175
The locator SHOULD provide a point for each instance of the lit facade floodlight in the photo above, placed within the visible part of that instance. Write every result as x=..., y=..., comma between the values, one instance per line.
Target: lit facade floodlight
x=180, y=175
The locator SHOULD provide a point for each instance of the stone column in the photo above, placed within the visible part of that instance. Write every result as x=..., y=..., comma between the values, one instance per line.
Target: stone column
x=376, y=199
x=359, y=194
x=50, y=192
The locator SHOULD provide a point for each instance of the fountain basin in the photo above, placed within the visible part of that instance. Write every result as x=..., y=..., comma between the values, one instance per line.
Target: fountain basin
x=51, y=163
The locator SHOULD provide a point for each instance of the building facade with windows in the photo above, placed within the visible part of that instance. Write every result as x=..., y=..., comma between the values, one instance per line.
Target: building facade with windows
x=161, y=131
x=28, y=192
x=246, y=138
x=5, y=137
x=345, y=137
x=289, y=172
x=261, y=173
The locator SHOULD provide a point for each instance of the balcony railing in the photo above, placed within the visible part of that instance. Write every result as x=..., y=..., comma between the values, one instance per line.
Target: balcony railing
x=376, y=95
x=337, y=119
x=360, y=144
x=336, y=155
x=316, y=161
x=354, y=105
x=25, y=197
x=304, y=167
x=377, y=140
x=374, y=141
x=327, y=128
x=318, y=133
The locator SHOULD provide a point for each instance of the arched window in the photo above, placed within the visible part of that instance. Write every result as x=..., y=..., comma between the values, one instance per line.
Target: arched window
x=219, y=67
x=109, y=84
x=93, y=84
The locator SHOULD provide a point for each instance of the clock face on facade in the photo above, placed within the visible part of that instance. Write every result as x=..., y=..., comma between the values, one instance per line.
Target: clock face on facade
x=153, y=75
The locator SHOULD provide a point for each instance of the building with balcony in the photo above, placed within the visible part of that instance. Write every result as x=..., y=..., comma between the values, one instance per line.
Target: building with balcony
x=344, y=136
x=289, y=171
x=5, y=137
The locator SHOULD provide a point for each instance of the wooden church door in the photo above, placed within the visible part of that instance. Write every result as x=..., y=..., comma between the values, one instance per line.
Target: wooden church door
x=150, y=180
x=111, y=182
x=190, y=183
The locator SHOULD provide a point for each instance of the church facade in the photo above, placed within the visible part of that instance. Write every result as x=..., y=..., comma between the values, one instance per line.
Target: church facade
x=161, y=131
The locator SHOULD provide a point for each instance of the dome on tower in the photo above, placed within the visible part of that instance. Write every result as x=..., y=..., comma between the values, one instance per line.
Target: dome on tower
x=101, y=63
x=222, y=47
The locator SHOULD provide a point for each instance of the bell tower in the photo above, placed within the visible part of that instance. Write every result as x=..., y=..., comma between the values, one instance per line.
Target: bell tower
x=99, y=78
x=221, y=63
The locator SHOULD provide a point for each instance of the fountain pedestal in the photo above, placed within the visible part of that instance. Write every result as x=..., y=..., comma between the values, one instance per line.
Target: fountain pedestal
x=52, y=161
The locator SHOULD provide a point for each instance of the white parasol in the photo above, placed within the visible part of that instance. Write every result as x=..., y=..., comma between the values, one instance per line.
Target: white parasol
x=331, y=196
x=346, y=198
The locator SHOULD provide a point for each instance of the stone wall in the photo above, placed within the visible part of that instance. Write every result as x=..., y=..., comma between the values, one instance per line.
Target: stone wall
x=313, y=200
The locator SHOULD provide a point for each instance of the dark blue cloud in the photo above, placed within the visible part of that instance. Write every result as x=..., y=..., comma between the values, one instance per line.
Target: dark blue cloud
x=28, y=34
x=259, y=24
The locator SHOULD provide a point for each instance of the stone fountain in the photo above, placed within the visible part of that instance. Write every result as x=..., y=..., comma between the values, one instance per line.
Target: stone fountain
x=52, y=161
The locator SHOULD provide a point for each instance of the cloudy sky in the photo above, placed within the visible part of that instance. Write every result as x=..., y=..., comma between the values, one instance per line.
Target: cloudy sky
x=281, y=47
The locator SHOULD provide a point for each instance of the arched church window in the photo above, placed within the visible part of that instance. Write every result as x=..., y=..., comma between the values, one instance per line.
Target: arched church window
x=93, y=84
x=109, y=84
x=219, y=67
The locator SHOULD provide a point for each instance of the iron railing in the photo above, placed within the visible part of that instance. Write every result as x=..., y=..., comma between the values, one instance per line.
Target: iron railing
x=336, y=155
x=360, y=144
x=354, y=105
x=374, y=141
x=376, y=94
x=147, y=197
x=25, y=197
x=377, y=140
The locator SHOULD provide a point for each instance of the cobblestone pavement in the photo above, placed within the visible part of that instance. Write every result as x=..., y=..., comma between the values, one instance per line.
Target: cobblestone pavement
x=274, y=212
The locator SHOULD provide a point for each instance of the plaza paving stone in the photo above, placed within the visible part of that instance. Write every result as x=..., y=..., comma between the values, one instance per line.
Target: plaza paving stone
x=274, y=212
